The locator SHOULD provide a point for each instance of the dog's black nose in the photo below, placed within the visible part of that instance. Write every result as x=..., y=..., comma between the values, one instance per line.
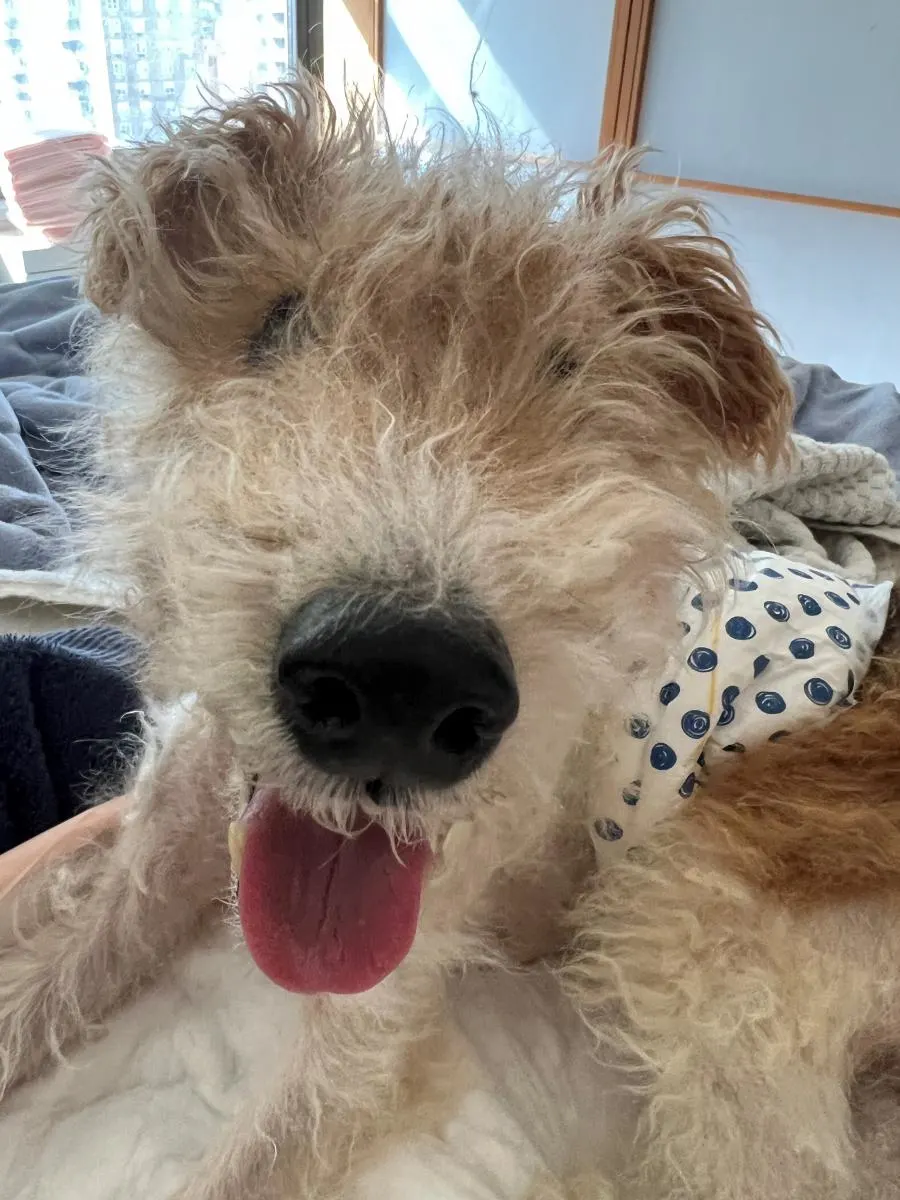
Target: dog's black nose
x=376, y=690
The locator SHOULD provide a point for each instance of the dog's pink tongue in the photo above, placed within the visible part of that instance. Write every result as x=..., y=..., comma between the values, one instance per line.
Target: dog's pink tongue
x=322, y=912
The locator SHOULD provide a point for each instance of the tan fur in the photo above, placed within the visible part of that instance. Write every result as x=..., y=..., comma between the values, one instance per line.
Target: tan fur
x=831, y=829
x=520, y=388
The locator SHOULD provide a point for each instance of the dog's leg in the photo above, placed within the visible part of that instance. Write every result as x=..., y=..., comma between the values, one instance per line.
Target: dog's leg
x=739, y=1013
x=366, y=1071
x=90, y=930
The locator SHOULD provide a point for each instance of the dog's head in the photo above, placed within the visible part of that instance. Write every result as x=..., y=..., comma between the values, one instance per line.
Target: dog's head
x=405, y=449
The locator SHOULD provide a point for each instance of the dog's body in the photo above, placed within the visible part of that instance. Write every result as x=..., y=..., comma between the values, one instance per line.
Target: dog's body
x=332, y=368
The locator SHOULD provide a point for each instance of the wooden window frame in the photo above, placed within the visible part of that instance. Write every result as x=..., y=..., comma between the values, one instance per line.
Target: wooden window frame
x=629, y=50
x=307, y=24
x=305, y=48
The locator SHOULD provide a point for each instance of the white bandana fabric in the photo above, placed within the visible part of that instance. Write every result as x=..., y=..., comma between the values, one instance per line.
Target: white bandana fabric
x=787, y=645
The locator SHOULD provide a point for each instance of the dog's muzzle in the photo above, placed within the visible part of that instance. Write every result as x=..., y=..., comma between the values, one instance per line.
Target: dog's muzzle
x=376, y=690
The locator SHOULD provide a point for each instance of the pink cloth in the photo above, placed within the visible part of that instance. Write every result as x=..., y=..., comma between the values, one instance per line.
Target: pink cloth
x=45, y=177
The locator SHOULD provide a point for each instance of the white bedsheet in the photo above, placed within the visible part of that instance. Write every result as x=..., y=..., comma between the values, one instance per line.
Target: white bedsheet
x=130, y=1115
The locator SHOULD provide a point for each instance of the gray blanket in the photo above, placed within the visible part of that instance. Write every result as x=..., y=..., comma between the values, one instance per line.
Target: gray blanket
x=41, y=393
x=829, y=409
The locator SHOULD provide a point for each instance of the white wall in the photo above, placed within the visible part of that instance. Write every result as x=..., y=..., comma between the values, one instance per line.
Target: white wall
x=792, y=95
x=829, y=280
x=539, y=68
x=796, y=96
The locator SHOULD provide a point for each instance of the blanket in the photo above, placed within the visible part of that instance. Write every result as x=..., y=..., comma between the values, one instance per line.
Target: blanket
x=131, y=1118
x=69, y=717
x=825, y=504
x=832, y=410
x=42, y=394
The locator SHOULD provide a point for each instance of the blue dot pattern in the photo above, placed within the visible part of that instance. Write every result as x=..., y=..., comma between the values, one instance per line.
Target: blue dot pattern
x=608, y=829
x=639, y=726
x=740, y=629
x=662, y=757
x=729, y=695
x=632, y=793
x=836, y=599
x=703, y=659
x=819, y=691
x=802, y=647
x=695, y=723
x=752, y=661
x=669, y=692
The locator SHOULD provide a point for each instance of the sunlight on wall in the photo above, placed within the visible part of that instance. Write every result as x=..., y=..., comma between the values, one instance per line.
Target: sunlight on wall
x=348, y=64
x=453, y=71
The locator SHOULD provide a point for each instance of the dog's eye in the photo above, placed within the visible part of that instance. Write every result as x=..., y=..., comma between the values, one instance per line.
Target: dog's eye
x=561, y=362
x=287, y=321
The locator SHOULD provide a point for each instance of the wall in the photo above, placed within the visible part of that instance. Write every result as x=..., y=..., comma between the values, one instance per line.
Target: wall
x=828, y=280
x=539, y=68
x=747, y=93
x=797, y=96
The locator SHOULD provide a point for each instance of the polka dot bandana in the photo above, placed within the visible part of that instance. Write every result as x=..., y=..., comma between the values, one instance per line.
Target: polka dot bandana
x=787, y=645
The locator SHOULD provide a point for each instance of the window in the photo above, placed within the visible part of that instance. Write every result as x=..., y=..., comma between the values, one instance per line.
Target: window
x=125, y=56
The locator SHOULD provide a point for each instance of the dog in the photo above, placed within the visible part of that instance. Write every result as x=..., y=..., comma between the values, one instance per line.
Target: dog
x=405, y=453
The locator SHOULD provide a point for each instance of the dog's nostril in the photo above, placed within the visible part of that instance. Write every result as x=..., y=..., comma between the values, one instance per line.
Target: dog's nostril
x=462, y=731
x=326, y=704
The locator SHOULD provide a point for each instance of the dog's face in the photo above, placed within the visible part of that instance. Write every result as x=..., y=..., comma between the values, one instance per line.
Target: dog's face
x=404, y=452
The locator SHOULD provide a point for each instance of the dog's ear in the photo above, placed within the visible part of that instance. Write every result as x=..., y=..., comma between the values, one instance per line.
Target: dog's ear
x=677, y=285
x=184, y=234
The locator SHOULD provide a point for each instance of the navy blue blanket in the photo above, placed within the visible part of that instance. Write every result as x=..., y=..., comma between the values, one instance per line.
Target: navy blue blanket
x=68, y=723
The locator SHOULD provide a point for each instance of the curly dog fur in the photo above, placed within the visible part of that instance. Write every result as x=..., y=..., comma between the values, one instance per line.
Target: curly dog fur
x=497, y=380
